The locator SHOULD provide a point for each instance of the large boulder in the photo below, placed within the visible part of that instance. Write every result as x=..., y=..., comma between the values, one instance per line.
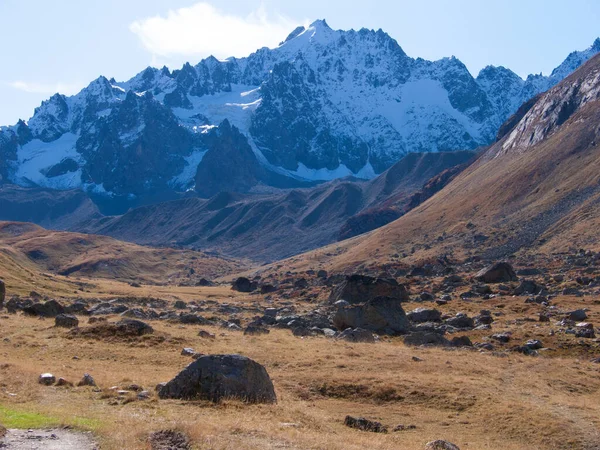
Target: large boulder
x=216, y=377
x=422, y=315
x=362, y=288
x=66, y=321
x=500, y=272
x=243, y=284
x=382, y=315
x=133, y=327
x=51, y=308
x=2, y=293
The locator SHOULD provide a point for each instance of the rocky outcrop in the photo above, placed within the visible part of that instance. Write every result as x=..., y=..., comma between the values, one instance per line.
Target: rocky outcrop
x=362, y=288
x=383, y=315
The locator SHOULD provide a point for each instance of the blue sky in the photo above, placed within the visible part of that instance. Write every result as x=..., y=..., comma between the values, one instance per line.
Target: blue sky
x=61, y=45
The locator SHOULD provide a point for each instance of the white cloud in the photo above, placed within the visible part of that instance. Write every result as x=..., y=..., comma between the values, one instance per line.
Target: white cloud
x=46, y=88
x=202, y=30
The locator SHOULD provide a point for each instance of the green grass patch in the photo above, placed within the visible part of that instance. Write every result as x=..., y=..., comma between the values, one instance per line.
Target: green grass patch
x=16, y=418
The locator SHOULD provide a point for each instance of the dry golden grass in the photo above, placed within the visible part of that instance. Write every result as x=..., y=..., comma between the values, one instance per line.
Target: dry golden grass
x=478, y=401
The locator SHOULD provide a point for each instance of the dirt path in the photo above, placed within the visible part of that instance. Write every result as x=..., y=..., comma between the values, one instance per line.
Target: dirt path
x=51, y=439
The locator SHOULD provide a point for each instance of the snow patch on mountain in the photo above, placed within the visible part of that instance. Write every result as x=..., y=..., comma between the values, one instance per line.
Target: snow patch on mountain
x=36, y=157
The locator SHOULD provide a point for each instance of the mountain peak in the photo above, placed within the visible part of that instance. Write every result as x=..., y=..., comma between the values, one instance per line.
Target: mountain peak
x=320, y=24
x=596, y=45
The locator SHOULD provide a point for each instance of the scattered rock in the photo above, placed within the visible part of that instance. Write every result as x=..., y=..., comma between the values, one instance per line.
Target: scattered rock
x=188, y=352
x=356, y=335
x=243, y=284
x=206, y=335
x=2, y=293
x=66, y=321
x=132, y=327
x=362, y=288
x=62, y=382
x=360, y=423
x=382, y=315
x=425, y=338
x=441, y=445
x=47, y=379
x=422, y=315
x=51, y=308
x=500, y=272
x=87, y=380
x=578, y=315
x=214, y=377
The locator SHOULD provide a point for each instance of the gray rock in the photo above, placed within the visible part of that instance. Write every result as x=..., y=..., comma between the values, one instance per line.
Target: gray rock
x=500, y=272
x=356, y=335
x=87, y=380
x=206, y=335
x=243, y=284
x=51, y=308
x=578, y=315
x=216, y=377
x=133, y=327
x=461, y=321
x=66, y=321
x=382, y=315
x=188, y=352
x=362, y=288
x=360, y=423
x=425, y=338
x=46, y=379
x=440, y=445
x=421, y=315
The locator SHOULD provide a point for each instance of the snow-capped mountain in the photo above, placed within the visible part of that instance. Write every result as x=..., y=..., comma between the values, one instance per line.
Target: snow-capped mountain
x=322, y=105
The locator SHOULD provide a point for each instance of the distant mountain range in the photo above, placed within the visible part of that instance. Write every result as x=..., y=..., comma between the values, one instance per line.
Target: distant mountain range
x=324, y=104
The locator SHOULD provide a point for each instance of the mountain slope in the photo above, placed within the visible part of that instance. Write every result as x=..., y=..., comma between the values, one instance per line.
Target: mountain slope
x=86, y=255
x=537, y=189
x=323, y=105
x=275, y=225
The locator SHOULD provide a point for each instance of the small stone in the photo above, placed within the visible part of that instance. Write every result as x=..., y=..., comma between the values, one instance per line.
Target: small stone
x=47, y=379
x=441, y=445
x=188, y=352
x=206, y=335
x=360, y=423
x=144, y=395
x=63, y=382
x=87, y=380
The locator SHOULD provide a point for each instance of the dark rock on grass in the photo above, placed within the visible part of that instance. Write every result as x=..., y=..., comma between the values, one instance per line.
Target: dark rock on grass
x=360, y=423
x=169, y=440
x=267, y=288
x=204, y=282
x=500, y=272
x=461, y=321
x=441, y=445
x=461, y=341
x=133, y=327
x=16, y=304
x=585, y=330
x=180, y=304
x=243, y=284
x=51, y=308
x=356, y=335
x=528, y=287
x=302, y=331
x=218, y=377
x=578, y=315
x=66, y=321
x=425, y=338
x=206, y=334
x=362, y=288
x=422, y=315
x=382, y=315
